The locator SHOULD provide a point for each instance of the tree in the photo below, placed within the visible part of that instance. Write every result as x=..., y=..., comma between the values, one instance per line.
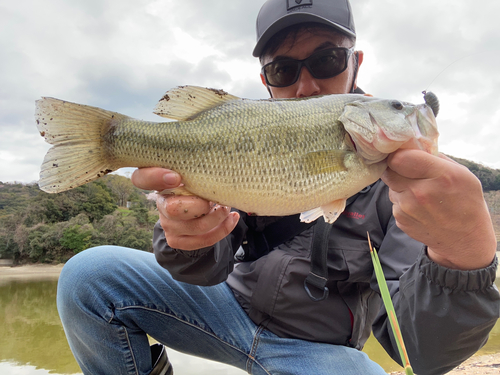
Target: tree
x=54, y=208
x=99, y=201
x=77, y=237
x=121, y=187
x=36, y=244
x=496, y=183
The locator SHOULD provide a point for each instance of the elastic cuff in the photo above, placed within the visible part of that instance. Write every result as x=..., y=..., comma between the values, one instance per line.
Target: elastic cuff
x=193, y=253
x=457, y=280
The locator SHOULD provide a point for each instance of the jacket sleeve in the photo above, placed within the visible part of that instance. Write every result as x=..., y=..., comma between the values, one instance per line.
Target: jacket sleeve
x=207, y=266
x=445, y=315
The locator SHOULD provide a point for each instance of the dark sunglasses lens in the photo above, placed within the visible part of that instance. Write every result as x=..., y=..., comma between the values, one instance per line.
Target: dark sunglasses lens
x=281, y=73
x=327, y=64
x=322, y=64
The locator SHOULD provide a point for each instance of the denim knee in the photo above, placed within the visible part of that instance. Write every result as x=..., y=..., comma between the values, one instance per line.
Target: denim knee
x=84, y=267
x=81, y=278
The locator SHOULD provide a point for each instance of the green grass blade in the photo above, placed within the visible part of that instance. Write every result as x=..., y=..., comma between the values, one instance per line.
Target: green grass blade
x=391, y=313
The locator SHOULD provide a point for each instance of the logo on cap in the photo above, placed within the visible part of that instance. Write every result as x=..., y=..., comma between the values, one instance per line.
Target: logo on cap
x=297, y=3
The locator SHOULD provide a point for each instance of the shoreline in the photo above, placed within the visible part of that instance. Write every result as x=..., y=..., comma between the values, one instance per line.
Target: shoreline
x=30, y=271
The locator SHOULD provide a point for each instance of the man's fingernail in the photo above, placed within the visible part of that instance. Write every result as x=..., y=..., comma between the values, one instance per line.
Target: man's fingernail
x=171, y=179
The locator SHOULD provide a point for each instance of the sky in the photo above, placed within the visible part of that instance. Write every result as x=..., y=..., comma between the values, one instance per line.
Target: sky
x=123, y=55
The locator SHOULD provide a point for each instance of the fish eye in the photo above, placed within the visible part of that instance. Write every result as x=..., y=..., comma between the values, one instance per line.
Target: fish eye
x=397, y=105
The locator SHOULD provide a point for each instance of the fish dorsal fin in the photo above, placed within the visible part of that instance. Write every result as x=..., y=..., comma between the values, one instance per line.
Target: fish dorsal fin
x=185, y=102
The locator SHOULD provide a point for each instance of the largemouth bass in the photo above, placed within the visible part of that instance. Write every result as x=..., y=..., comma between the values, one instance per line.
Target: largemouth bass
x=268, y=157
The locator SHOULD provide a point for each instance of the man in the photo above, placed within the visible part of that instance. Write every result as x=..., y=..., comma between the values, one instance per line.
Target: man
x=435, y=241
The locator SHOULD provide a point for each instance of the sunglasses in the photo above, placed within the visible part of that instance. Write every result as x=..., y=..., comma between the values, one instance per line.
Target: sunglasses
x=323, y=64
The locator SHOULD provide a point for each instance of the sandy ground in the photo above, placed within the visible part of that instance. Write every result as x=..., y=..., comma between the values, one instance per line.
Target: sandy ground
x=478, y=365
x=488, y=364
x=35, y=271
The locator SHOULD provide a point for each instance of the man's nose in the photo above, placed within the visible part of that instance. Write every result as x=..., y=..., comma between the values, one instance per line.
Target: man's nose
x=307, y=85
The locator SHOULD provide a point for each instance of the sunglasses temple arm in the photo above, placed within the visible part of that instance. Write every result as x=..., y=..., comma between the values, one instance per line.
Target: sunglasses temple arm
x=269, y=90
x=355, y=73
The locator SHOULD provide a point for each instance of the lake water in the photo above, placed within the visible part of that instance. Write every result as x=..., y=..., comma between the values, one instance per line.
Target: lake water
x=32, y=340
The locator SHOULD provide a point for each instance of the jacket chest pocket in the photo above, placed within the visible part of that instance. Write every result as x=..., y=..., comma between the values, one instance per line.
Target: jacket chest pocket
x=359, y=264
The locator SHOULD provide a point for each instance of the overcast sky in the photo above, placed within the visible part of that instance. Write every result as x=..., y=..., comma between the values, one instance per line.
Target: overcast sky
x=122, y=55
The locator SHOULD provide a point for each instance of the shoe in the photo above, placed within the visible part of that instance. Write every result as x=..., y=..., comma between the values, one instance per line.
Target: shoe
x=160, y=362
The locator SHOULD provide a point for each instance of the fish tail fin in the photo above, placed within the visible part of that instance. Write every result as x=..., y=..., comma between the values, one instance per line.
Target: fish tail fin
x=76, y=131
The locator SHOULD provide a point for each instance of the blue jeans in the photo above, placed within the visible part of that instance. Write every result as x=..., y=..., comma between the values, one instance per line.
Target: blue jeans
x=109, y=299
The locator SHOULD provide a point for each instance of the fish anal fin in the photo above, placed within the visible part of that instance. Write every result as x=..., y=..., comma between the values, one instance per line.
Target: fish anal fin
x=330, y=212
x=185, y=102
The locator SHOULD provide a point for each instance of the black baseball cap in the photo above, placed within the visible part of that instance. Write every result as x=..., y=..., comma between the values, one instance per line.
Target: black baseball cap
x=276, y=15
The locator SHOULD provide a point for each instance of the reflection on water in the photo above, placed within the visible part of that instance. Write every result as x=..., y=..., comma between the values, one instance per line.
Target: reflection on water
x=8, y=368
x=32, y=340
x=31, y=330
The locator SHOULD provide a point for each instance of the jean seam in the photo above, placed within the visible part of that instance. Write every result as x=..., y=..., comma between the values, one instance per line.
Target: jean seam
x=249, y=356
x=131, y=352
x=253, y=351
x=111, y=317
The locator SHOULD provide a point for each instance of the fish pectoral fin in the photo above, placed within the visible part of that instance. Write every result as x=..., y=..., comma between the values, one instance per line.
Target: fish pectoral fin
x=180, y=190
x=326, y=161
x=185, y=102
x=330, y=212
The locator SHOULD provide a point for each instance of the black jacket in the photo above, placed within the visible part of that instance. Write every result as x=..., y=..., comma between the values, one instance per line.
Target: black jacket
x=445, y=315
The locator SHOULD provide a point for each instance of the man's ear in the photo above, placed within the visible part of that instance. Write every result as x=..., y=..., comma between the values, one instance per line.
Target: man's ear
x=360, y=57
x=359, y=60
x=263, y=79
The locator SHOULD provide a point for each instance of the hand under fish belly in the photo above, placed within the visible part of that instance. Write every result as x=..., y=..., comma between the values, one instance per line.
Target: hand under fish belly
x=269, y=157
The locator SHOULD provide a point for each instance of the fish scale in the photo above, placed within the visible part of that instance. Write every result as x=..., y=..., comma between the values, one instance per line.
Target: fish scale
x=269, y=157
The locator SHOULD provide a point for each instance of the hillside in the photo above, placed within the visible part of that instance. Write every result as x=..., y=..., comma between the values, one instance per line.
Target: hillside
x=493, y=200
x=40, y=227
x=489, y=177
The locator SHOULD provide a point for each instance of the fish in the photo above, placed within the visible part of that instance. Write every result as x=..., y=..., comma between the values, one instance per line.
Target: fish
x=270, y=157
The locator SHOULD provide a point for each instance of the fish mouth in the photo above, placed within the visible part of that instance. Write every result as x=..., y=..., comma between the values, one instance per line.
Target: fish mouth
x=425, y=130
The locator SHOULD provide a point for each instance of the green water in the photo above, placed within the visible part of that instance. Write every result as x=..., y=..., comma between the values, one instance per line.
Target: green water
x=31, y=331
x=32, y=340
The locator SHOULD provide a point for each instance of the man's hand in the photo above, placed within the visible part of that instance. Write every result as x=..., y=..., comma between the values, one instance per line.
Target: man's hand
x=189, y=222
x=440, y=203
